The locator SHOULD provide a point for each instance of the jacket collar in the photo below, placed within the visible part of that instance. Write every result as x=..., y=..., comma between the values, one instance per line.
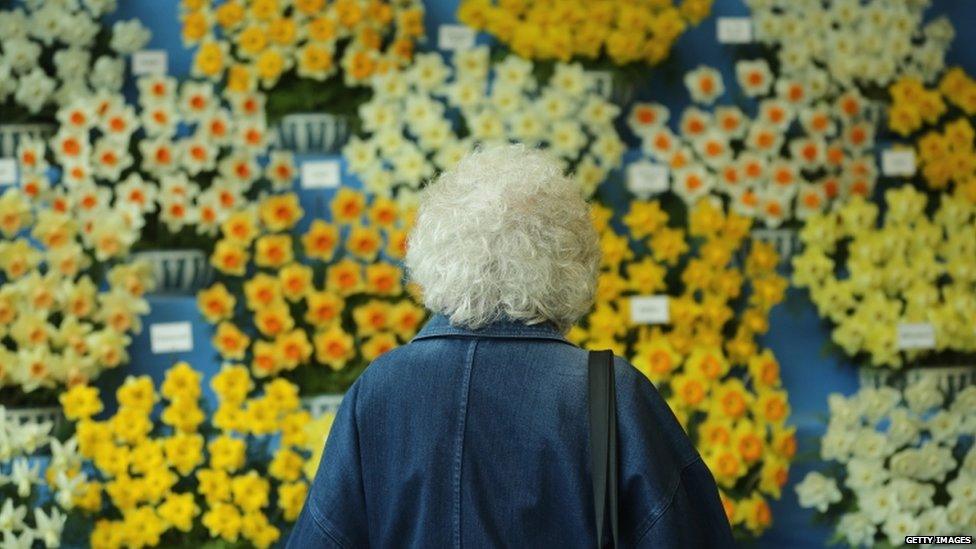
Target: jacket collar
x=440, y=326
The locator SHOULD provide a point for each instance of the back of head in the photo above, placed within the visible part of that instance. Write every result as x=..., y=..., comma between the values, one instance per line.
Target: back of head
x=505, y=235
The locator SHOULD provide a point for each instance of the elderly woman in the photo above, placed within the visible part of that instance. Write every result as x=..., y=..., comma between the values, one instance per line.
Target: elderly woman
x=475, y=433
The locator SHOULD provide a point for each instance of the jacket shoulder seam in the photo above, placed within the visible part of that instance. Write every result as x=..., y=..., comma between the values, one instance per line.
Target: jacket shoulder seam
x=655, y=515
x=326, y=527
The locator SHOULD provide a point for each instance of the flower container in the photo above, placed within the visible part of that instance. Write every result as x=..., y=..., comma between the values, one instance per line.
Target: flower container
x=783, y=239
x=319, y=405
x=615, y=87
x=35, y=416
x=11, y=135
x=949, y=379
x=178, y=272
x=313, y=132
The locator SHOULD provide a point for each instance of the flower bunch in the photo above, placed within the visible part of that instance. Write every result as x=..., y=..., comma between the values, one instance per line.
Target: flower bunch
x=945, y=149
x=702, y=356
x=621, y=31
x=188, y=477
x=256, y=44
x=801, y=150
x=424, y=118
x=319, y=307
x=902, y=462
x=870, y=276
x=54, y=52
x=174, y=169
x=25, y=488
x=866, y=43
x=64, y=315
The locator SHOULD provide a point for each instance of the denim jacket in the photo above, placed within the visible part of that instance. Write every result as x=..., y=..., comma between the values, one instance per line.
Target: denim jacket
x=479, y=438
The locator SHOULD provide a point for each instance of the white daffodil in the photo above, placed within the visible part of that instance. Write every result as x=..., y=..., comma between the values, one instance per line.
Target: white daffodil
x=197, y=154
x=857, y=529
x=898, y=526
x=660, y=144
x=154, y=89
x=472, y=64
x=196, y=100
x=281, y=170
x=108, y=160
x=12, y=516
x=31, y=157
x=23, y=541
x=694, y=122
x=691, y=183
x=515, y=71
x=21, y=54
x=67, y=489
x=713, y=148
x=34, y=89
x=428, y=72
x=216, y=128
x=107, y=73
x=129, y=36
x=24, y=476
x=731, y=121
x=72, y=63
x=527, y=127
x=704, y=85
x=817, y=491
x=13, y=23
x=644, y=118
x=48, y=527
x=570, y=79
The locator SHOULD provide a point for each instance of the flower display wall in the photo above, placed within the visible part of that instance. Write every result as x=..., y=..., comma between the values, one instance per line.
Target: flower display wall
x=939, y=121
x=705, y=361
x=862, y=43
x=35, y=501
x=297, y=47
x=423, y=119
x=802, y=150
x=619, y=32
x=67, y=305
x=900, y=463
x=173, y=170
x=189, y=477
x=868, y=275
x=52, y=52
x=317, y=307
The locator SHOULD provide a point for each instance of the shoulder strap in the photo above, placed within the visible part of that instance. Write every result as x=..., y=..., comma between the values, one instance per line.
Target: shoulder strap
x=602, y=398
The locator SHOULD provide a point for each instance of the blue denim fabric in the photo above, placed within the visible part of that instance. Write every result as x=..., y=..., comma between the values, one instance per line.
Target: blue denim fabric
x=479, y=438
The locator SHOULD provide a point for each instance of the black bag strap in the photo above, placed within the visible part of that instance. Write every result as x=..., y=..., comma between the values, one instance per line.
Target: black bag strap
x=602, y=398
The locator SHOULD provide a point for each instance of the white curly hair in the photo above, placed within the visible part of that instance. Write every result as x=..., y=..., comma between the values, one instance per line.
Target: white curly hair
x=505, y=235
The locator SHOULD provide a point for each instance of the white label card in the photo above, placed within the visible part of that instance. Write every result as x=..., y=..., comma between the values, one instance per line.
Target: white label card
x=321, y=174
x=650, y=309
x=455, y=37
x=916, y=336
x=171, y=337
x=898, y=162
x=8, y=171
x=150, y=62
x=734, y=30
x=645, y=179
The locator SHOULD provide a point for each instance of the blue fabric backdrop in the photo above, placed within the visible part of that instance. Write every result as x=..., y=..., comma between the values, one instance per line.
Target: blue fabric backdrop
x=797, y=335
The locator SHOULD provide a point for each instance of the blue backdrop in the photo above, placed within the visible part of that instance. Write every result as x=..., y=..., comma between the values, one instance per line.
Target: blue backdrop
x=797, y=337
